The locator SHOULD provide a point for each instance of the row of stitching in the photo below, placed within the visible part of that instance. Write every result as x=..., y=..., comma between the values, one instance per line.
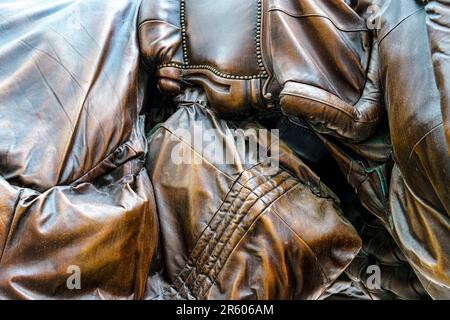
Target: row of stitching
x=181, y=281
x=183, y=31
x=184, y=42
x=214, y=70
x=195, y=255
x=232, y=218
x=237, y=220
x=206, y=241
x=229, y=247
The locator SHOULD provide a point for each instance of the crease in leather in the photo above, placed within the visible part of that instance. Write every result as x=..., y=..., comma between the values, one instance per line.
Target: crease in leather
x=415, y=257
x=414, y=148
x=306, y=16
x=399, y=23
x=11, y=220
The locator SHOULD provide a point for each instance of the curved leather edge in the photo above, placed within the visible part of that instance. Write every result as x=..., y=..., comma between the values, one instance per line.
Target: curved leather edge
x=354, y=123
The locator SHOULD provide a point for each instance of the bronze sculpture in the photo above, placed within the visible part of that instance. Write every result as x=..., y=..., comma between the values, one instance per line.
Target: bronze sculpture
x=88, y=177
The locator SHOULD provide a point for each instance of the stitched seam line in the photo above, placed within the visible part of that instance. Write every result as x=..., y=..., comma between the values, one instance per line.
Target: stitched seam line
x=213, y=69
x=190, y=266
x=239, y=222
x=227, y=216
x=423, y=138
x=217, y=239
x=180, y=282
x=399, y=23
x=258, y=50
x=223, y=258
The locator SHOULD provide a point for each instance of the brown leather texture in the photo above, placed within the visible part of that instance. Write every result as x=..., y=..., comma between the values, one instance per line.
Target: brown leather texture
x=438, y=25
x=93, y=95
x=242, y=230
x=73, y=187
x=419, y=203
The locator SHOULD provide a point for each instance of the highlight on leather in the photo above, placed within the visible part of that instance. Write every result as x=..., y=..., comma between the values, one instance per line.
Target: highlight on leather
x=334, y=115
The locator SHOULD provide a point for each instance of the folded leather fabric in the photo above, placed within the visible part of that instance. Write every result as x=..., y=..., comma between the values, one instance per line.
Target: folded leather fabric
x=419, y=204
x=313, y=55
x=85, y=188
x=242, y=229
x=74, y=193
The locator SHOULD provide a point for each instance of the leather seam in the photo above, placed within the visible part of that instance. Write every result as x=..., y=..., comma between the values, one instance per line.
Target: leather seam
x=312, y=15
x=211, y=275
x=202, y=235
x=349, y=115
x=262, y=74
x=265, y=210
x=399, y=23
x=191, y=265
x=149, y=21
x=197, y=153
x=204, y=251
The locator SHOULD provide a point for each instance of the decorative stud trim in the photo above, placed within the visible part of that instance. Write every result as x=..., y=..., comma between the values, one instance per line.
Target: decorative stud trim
x=262, y=68
x=184, y=42
x=184, y=36
x=213, y=70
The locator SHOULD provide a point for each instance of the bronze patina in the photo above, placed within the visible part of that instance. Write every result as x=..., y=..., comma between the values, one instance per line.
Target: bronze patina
x=224, y=149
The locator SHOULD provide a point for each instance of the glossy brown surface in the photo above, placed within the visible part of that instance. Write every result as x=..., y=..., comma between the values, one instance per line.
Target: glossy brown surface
x=73, y=187
x=419, y=196
x=86, y=181
x=248, y=231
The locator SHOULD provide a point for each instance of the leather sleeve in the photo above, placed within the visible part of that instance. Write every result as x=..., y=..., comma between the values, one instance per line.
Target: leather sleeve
x=438, y=24
x=332, y=115
x=160, y=41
